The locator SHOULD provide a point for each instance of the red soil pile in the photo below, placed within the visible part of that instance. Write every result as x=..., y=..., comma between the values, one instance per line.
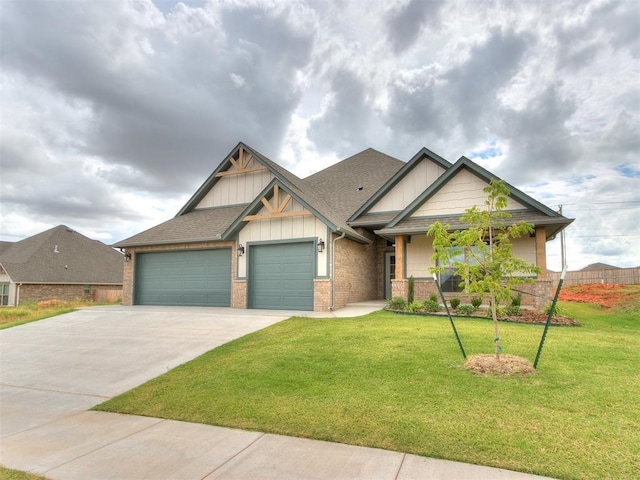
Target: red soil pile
x=603, y=294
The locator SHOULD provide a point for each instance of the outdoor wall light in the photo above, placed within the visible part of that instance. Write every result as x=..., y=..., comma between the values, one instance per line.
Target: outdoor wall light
x=320, y=245
x=127, y=256
x=240, y=250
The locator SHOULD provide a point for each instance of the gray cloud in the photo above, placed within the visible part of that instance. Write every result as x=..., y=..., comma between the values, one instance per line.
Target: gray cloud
x=541, y=146
x=344, y=126
x=404, y=24
x=163, y=104
x=434, y=102
x=115, y=112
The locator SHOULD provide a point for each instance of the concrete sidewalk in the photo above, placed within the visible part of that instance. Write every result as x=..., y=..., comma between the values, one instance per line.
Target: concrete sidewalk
x=54, y=370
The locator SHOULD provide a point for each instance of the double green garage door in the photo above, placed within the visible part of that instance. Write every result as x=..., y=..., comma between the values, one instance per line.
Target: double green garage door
x=280, y=277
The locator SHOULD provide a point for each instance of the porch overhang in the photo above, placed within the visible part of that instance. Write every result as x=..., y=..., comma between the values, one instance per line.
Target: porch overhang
x=420, y=225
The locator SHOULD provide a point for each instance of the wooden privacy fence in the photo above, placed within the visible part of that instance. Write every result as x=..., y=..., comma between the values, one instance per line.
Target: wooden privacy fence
x=622, y=276
x=103, y=295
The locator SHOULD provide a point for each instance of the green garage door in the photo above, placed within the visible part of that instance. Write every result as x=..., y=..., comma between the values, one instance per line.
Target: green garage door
x=281, y=276
x=194, y=277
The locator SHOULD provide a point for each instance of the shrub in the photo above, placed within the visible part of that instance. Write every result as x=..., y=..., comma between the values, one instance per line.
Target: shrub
x=512, y=310
x=516, y=300
x=431, y=305
x=412, y=286
x=557, y=311
x=454, y=302
x=433, y=298
x=414, y=307
x=476, y=302
x=465, y=309
x=397, y=303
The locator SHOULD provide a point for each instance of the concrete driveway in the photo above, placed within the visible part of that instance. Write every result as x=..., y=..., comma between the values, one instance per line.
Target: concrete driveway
x=67, y=364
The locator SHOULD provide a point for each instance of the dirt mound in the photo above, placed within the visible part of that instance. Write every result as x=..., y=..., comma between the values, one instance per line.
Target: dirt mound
x=603, y=294
x=507, y=366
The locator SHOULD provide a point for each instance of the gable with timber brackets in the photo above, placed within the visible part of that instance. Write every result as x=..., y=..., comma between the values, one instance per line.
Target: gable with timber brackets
x=239, y=178
x=277, y=215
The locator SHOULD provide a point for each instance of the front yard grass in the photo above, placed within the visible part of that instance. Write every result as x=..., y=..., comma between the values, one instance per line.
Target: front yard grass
x=397, y=382
x=30, y=312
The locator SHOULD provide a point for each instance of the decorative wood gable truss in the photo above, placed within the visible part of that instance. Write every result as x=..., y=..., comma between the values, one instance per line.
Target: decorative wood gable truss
x=241, y=165
x=275, y=207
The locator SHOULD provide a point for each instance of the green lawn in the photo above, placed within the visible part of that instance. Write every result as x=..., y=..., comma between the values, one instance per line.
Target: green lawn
x=8, y=474
x=30, y=312
x=397, y=382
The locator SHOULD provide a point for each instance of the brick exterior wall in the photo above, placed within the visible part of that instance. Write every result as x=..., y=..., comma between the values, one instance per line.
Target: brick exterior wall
x=65, y=292
x=355, y=264
x=321, y=295
x=536, y=295
x=129, y=268
x=239, y=294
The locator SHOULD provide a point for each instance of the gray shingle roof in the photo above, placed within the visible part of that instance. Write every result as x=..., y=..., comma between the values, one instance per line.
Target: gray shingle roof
x=61, y=255
x=342, y=191
x=598, y=266
x=348, y=184
x=203, y=225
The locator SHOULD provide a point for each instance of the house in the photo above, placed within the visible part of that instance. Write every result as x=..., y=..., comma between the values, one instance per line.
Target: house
x=59, y=263
x=254, y=235
x=598, y=266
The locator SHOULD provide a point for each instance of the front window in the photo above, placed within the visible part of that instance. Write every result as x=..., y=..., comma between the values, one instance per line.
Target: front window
x=4, y=294
x=449, y=281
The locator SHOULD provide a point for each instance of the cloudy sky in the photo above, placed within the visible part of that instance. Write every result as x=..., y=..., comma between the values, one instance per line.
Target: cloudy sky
x=113, y=112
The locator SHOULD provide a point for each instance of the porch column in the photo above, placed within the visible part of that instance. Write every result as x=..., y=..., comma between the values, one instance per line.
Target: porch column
x=400, y=252
x=541, y=252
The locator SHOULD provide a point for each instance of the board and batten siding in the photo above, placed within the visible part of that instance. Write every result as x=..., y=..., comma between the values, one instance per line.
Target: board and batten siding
x=289, y=228
x=236, y=189
x=463, y=191
x=412, y=185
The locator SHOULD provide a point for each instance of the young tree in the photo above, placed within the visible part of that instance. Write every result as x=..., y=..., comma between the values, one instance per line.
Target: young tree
x=482, y=254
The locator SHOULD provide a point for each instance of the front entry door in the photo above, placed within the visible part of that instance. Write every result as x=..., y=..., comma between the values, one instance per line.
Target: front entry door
x=389, y=272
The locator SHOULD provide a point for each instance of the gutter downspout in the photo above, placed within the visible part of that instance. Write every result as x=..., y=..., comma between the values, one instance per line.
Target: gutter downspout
x=333, y=270
x=17, y=299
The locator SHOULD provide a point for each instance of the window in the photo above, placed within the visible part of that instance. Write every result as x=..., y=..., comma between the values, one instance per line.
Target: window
x=4, y=294
x=87, y=289
x=448, y=280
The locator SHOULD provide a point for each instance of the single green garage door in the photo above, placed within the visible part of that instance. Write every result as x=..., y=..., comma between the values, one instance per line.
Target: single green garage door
x=192, y=277
x=281, y=276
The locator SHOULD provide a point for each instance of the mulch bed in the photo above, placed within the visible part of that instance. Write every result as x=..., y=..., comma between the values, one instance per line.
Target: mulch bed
x=526, y=316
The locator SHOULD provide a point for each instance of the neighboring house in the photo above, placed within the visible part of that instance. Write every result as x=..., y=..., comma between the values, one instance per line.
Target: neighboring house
x=57, y=264
x=598, y=266
x=256, y=236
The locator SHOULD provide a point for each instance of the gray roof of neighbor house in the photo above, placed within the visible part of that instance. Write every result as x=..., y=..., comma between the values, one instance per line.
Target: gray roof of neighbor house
x=598, y=266
x=61, y=255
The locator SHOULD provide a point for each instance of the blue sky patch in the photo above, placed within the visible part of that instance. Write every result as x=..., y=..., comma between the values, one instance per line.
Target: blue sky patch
x=627, y=170
x=491, y=151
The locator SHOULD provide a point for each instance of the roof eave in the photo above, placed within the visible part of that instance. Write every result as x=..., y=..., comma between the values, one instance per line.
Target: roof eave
x=125, y=244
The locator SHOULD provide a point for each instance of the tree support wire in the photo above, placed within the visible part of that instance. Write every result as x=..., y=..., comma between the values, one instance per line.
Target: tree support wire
x=552, y=310
x=453, y=325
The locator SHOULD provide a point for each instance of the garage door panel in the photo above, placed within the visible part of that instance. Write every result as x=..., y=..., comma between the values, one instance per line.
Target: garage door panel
x=190, y=277
x=281, y=276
